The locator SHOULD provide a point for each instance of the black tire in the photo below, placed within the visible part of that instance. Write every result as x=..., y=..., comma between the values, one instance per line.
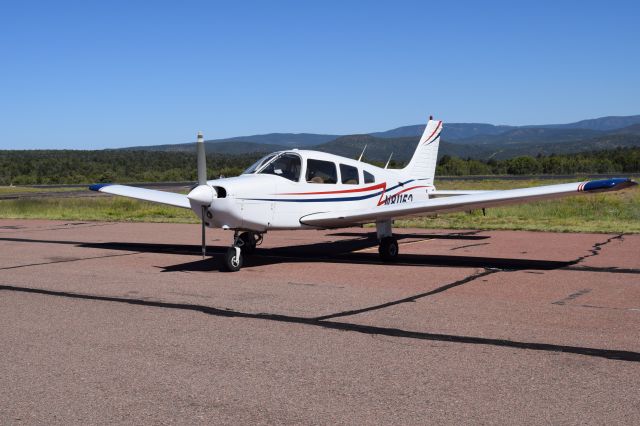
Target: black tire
x=388, y=249
x=248, y=242
x=232, y=263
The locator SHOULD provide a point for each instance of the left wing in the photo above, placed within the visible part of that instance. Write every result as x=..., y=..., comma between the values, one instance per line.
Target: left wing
x=162, y=197
x=463, y=202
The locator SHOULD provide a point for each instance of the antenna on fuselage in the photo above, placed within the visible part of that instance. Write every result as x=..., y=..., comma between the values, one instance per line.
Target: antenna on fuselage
x=387, y=165
x=363, y=150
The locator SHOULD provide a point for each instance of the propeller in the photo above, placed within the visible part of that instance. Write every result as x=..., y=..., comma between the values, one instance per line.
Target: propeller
x=203, y=194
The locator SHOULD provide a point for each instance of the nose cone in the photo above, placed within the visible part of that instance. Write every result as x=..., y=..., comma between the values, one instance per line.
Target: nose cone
x=202, y=194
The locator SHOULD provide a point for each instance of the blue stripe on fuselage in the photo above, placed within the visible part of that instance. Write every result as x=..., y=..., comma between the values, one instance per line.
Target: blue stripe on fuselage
x=325, y=200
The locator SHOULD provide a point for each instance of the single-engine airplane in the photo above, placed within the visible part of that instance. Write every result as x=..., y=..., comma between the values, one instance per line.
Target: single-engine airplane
x=302, y=189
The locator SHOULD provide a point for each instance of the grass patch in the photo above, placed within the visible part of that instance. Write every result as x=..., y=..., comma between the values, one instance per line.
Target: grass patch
x=8, y=190
x=98, y=208
x=489, y=184
x=608, y=212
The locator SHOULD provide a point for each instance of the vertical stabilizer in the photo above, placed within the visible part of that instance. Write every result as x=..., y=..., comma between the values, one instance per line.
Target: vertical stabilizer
x=424, y=160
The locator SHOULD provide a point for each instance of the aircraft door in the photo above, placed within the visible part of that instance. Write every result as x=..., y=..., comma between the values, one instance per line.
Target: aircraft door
x=257, y=215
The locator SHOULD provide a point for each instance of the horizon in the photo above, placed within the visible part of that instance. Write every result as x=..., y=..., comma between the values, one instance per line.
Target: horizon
x=102, y=76
x=215, y=140
x=207, y=139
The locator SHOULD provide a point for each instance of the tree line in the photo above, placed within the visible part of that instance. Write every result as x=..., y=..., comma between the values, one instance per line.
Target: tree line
x=620, y=160
x=69, y=167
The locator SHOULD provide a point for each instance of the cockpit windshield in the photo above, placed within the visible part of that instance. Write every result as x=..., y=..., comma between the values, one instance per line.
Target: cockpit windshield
x=283, y=164
x=287, y=165
x=256, y=166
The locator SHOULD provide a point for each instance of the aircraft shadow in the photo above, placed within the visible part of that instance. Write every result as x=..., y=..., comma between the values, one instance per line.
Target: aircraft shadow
x=343, y=251
x=456, y=236
x=269, y=257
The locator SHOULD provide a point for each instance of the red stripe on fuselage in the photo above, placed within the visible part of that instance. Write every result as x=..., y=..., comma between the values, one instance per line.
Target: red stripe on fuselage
x=382, y=185
x=381, y=201
x=409, y=189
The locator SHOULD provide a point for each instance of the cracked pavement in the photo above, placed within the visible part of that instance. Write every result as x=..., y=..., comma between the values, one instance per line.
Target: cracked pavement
x=121, y=322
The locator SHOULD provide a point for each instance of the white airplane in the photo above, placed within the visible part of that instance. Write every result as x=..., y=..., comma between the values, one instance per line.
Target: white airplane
x=301, y=189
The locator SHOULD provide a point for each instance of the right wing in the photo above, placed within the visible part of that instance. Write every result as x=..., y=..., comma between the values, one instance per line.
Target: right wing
x=462, y=203
x=162, y=197
x=451, y=192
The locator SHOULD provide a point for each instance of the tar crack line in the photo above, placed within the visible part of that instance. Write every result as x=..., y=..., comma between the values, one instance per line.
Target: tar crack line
x=613, y=354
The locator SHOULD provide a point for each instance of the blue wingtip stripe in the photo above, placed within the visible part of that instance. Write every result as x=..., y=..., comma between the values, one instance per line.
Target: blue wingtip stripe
x=605, y=184
x=98, y=186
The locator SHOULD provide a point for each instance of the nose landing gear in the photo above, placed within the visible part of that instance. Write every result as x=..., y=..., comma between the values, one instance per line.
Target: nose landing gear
x=233, y=259
x=243, y=243
x=249, y=240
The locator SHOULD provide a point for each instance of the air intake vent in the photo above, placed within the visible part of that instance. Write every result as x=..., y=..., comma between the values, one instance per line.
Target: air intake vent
x=222, y=193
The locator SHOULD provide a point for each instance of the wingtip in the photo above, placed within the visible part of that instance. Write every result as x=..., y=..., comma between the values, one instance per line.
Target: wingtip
x=98, y=186
x=612, y=184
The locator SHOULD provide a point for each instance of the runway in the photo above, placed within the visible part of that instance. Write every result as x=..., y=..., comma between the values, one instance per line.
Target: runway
x=123, y=322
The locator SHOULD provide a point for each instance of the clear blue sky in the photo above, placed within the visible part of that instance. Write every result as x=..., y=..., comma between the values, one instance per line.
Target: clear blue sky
x=98, y=74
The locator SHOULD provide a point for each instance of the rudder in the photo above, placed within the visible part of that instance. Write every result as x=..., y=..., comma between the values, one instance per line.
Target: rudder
x=425, y=158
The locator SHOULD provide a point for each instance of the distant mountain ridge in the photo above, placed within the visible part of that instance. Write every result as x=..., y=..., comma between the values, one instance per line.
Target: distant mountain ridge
x=452, y=131
x=473, y=140
x=603, y=123
x=287, y=140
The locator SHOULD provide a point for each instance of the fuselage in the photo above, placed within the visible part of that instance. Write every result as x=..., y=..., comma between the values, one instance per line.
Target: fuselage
x=281, y=189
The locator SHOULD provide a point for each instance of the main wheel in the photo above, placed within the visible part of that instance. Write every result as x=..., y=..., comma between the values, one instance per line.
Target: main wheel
x=233, y=259
x=248, y=242
x=388, y=249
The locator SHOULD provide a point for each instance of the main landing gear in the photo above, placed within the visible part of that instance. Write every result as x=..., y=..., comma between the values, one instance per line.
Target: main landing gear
x=243, y=243
x=388, y=248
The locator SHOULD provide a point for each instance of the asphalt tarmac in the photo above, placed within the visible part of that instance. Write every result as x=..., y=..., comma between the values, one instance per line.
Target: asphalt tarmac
x=125, y=323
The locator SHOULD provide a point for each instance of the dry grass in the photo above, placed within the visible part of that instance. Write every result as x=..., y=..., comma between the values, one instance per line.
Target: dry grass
x=608, y=212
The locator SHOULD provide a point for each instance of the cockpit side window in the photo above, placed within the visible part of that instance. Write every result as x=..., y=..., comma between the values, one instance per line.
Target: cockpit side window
x=319, y=171
x=368, y=177
x=349, y=175
x=287, y=166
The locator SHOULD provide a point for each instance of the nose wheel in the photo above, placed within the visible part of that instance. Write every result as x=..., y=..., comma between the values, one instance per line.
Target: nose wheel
x=243, y=243
x=233, y=259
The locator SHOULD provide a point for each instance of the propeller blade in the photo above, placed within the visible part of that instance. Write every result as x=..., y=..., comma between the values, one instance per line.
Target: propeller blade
x=202, y=194
x=204, y=241
x=202, y=160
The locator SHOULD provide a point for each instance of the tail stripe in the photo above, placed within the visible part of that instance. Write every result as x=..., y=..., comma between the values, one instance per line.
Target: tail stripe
x=431, y=138
x=424, y=161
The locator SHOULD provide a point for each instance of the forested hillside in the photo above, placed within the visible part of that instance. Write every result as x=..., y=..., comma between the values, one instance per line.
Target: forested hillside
x=61, y=167
x=621, y=160
x=66, y=167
